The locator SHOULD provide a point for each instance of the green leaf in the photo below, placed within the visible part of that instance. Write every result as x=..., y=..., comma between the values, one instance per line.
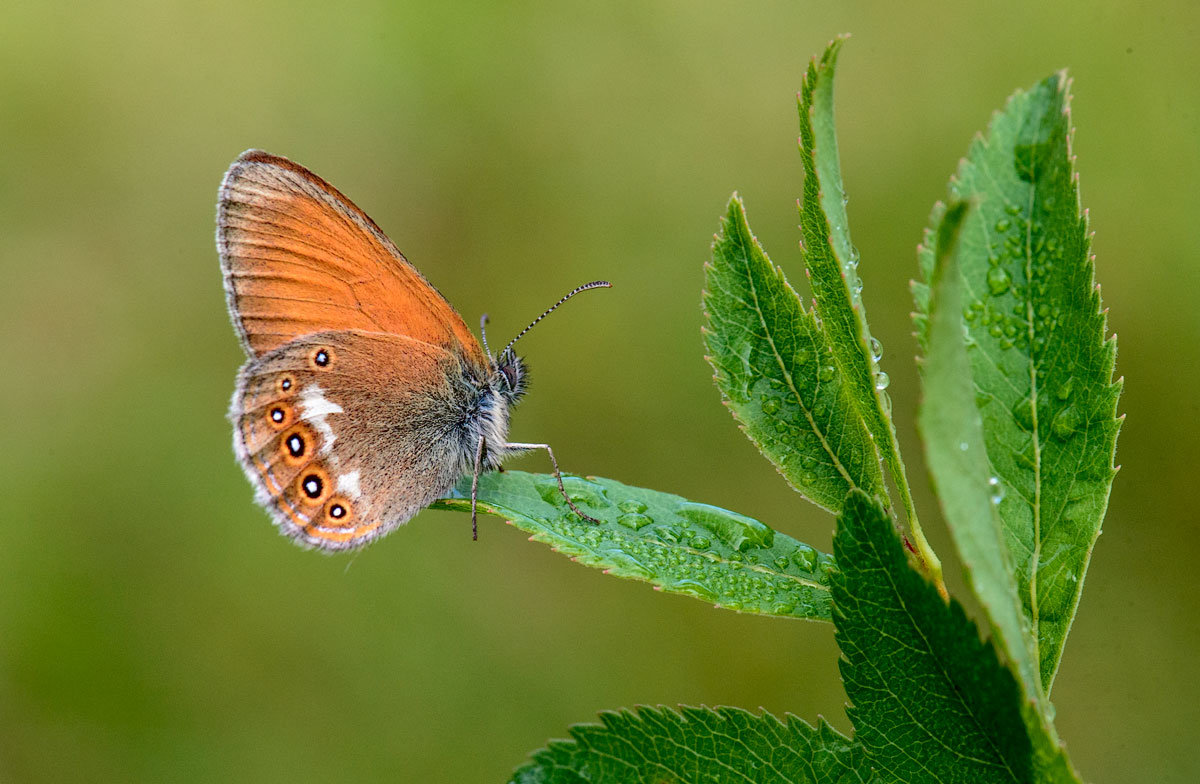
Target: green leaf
x=954, y=450
x=832, y=263
x=931, y=701
x=1040, y=360
x=722, y=746
x=678, y=545
x=776, y=371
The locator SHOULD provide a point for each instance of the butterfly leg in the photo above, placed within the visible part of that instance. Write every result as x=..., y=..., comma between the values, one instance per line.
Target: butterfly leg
x=557, y=475
x=475, y=490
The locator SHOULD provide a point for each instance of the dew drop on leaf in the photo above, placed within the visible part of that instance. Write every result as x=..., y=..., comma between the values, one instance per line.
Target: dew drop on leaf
x=996, y=489
x=1066, y=423
x=632, y=507
x=882, y=380
x=735, y=530
x=805, y=557
x=998, y=280
x=1023, y=413
x=634, y=520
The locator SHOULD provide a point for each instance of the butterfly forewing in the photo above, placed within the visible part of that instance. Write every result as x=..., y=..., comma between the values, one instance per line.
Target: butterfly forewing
x=298, y=257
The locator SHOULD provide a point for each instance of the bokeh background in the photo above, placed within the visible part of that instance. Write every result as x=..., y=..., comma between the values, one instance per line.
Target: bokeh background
x=153, y=625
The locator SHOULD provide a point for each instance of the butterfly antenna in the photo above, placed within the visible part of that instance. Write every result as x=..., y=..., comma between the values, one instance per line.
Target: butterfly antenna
x=483, y=322
x=595, y=284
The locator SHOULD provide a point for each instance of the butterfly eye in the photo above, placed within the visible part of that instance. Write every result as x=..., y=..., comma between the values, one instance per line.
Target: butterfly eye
x=285, y=384
x=321, y=358
x=313, y=485
x=296, y=445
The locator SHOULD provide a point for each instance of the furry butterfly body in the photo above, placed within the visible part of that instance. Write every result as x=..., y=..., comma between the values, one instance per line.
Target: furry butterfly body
x=364, y=397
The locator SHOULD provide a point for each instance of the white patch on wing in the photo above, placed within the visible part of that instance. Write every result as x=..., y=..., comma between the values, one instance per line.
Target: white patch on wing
x=347, y=484
x=314, y=407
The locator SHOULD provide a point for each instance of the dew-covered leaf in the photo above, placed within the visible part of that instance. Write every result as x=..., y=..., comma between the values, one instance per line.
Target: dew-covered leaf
x=721, y=746
x=957, y=458
x=832, y=263
x=1041, y=362
x=930, y=700
x=678, y=545
x=776, y=371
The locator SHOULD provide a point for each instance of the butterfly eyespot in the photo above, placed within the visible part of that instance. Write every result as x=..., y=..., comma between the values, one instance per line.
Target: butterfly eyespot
x=279, y=416
x=338, y=512
x=313, y=485
x=321, y=358
x=297, y=445
x=285, y=384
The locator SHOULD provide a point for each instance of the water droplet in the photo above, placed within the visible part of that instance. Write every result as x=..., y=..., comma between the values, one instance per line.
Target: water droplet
x=580, y=490
x=1064, y=391
x=882, y=380
x=737, y=531
x=667, y=533
x=634, y=520
x=781, y=562
x=876, y=349
x=885, y=402
x=701, y=542
x=1012, y=209
x=770, y=405
x=1065, y=423
x=805, y=557
x=783, y=609
x=962, y=446
x=1023, y=413
x=632, y=507
x=826, y=373
x=998, y=280
x=1002, y=225
x=781, y=426
x=996, y=488
x=824, y=565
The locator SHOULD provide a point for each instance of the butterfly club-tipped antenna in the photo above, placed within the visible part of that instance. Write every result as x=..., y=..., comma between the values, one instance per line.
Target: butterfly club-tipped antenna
x=595, y=284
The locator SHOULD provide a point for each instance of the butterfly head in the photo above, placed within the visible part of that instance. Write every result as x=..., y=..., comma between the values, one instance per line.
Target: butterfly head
x=509, y=376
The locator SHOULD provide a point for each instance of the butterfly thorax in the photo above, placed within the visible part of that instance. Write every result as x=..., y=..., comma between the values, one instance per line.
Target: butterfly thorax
x=489, y=416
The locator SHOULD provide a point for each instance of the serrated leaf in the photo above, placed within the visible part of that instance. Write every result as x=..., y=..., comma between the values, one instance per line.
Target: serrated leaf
x=956, y=455
x=721, y=746
x=680, y=546
x=832, y=264
x=775, y=369
x=931, y=701
x=1040, y=361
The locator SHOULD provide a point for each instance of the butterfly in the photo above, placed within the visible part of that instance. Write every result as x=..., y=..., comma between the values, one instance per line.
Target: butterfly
x=364, y=397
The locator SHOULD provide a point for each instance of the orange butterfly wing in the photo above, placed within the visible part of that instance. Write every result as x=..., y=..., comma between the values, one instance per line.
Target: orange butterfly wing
x=298, y=257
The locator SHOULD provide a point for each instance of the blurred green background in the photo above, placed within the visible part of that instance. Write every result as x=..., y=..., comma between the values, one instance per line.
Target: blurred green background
x=155, y=627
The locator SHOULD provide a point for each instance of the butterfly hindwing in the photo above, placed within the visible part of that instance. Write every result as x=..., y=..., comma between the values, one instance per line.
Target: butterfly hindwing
x=346, y=435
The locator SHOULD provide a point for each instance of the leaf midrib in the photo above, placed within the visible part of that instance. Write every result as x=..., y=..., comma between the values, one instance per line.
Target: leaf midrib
x=1036, y=556
x=946, y=675
x=779, y=360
